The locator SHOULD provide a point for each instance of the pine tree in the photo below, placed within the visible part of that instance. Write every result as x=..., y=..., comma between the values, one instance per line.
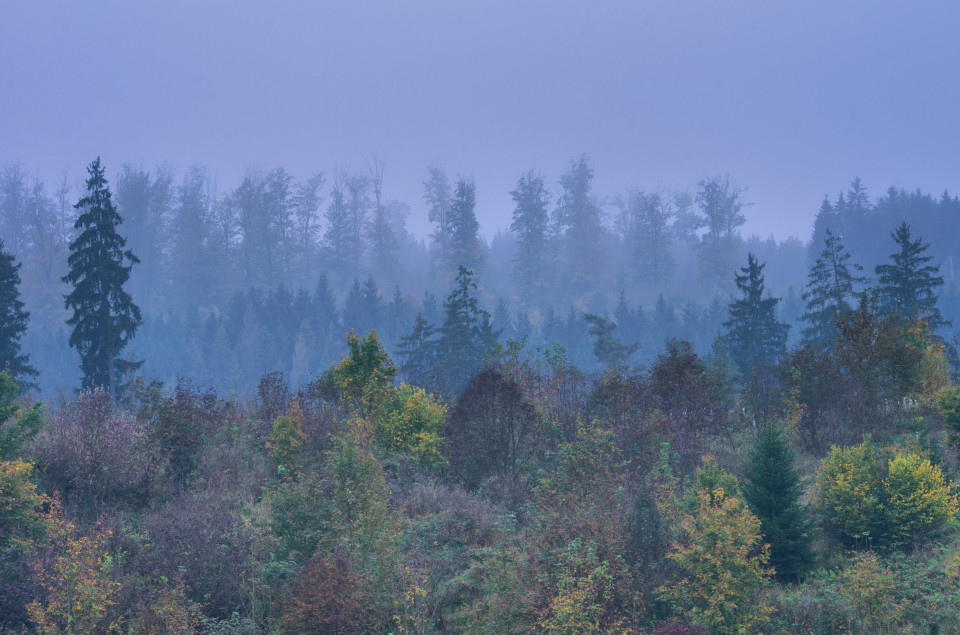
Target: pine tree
x=580, y=220
x=397, y=316
x=608, y=349
x=417, y=353
x=829, y=284
x=826, y=218
x=530, y=223
x=502, y=321
x=754, y=335
x=466, y=249
x=104, y=316
x=357, y=313
x=755, y=339
x=337, y=241
x=466, y=335
x=13, y=322
x=325, y=320
x=907, y=286
x=772, y=489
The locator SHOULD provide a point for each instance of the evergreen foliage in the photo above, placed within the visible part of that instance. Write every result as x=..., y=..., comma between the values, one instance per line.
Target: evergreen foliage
x=337, y=237
x=609, y=350
x=467, y=334
x=830, y=284
x=530, y=224
x=754, y=334
x=17, y=424
x=579, y=220
x=772, y=489
x=418, y=353
x=907, y=286
x=13, y=321
x=104, y=316
x=466, y=251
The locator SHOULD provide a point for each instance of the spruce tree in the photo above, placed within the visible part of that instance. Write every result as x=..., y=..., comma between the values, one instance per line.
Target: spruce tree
x=755, y=340
x=772, y=489
x=829, y=285
x=580, y=220
x=104, y=318
x=337, y=242
x=417, y=353
x=466, y=335
x=466, y=249
x=13, y=322
x=907, y=286
x=754, y=335
x=530, y=224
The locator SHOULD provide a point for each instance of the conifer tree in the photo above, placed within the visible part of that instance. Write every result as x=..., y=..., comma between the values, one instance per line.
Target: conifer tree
x=907, y=286
x=104, y=316
x=580, y=220
x=338, y=239
x=829, y=285
x=530, y=222
x=754, y=335
x=466, y=248
x=417, y=353
x=755, y=339
x=608, y=349
x=772, y=489
x=357, y=314
x=13, y=321
x=502, y=321
x=466, y=335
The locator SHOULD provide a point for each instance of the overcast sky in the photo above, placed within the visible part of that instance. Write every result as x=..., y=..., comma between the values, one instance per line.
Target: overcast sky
x=791, y=99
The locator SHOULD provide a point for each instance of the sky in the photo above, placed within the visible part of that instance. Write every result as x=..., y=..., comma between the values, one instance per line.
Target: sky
x=790, y=99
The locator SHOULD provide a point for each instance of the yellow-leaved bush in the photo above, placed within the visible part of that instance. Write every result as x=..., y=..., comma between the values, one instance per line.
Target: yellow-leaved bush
x=80, y=590
x=871, y=496
x=919, y=500
x=286, y=440
x=723, y=561
x=407, y=419
x=404, y=418
x=719, y=552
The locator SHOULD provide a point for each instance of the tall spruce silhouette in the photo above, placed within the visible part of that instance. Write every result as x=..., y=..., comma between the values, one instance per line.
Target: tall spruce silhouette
x=105, y=318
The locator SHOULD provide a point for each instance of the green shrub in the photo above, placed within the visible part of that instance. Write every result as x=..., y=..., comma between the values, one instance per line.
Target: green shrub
x=866, y=495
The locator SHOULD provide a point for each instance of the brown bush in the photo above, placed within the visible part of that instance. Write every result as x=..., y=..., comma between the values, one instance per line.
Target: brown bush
x=329, y=596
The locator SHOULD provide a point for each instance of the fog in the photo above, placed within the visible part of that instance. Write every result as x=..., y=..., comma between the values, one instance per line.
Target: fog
x=503, y=316
x=791, y=99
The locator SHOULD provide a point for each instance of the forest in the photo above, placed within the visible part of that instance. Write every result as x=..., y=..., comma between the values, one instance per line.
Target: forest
x=273, y=409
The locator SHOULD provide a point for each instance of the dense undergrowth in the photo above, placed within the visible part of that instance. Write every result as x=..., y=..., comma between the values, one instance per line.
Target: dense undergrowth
x=536, y=500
